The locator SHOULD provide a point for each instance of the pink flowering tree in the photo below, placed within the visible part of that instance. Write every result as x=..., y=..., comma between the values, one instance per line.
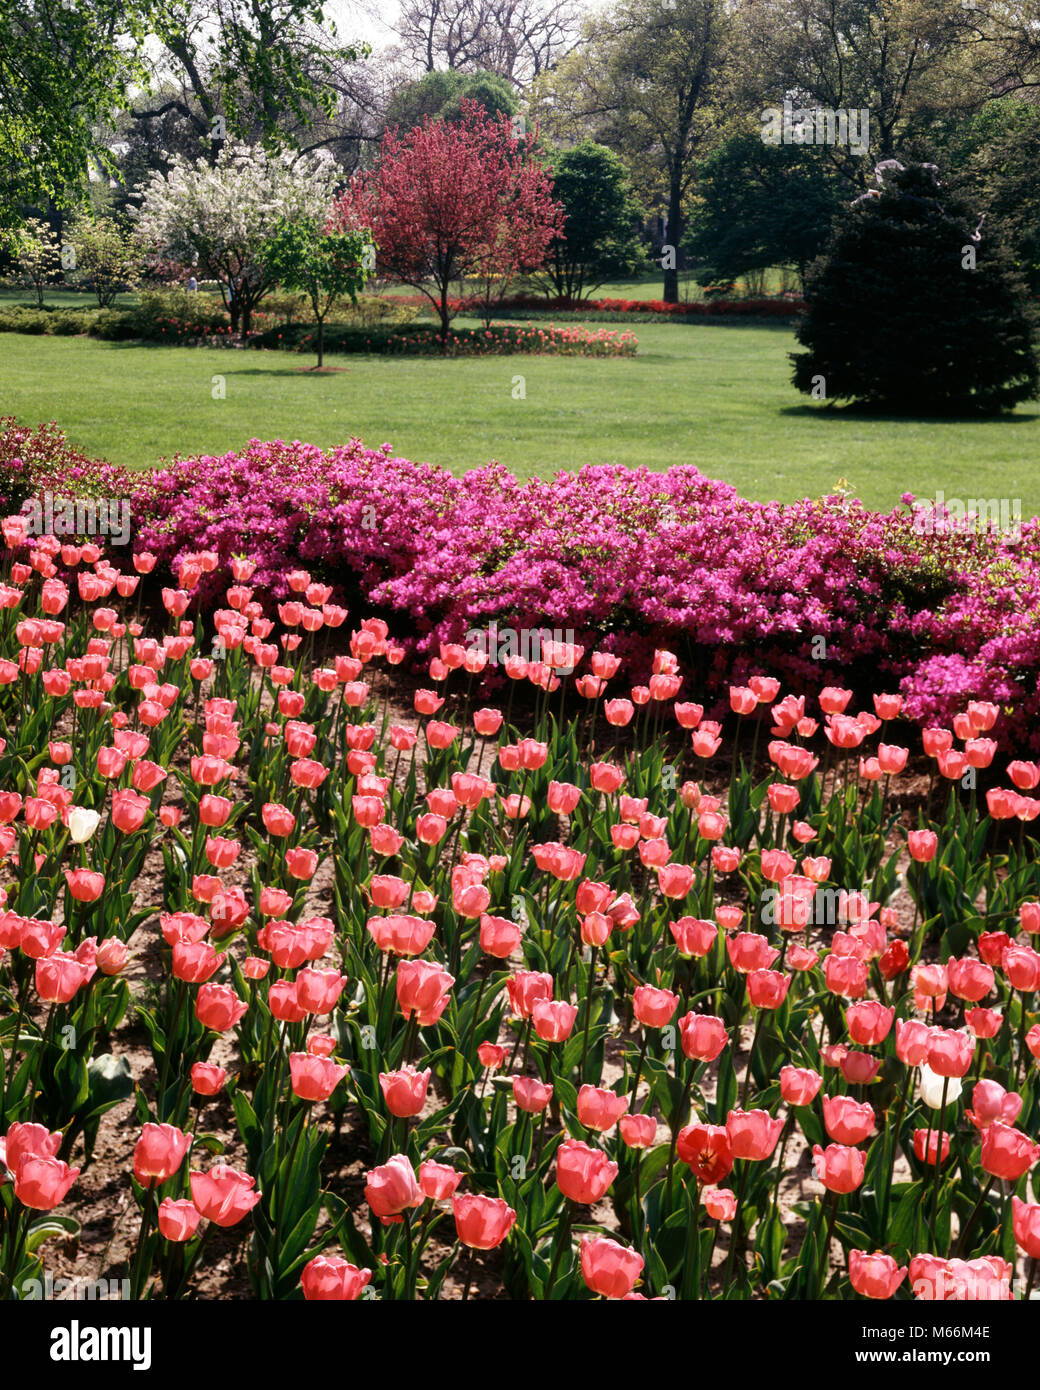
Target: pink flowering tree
x=456, y=199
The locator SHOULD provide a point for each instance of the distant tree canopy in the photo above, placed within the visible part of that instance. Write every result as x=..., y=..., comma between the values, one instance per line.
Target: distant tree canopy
x=760, y=205
x=438, y=95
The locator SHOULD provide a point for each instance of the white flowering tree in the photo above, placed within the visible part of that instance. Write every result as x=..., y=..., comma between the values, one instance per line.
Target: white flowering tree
x=219, y=218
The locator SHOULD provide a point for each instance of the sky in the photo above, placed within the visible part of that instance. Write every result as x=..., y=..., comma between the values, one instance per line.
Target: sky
x=367, y=21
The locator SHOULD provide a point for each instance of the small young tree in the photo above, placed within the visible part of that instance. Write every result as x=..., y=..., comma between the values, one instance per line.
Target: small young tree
x=601, y=217
x=912, y=308
x=322, y=263
x=105, y=258
x=452, y=199
x=37, y=252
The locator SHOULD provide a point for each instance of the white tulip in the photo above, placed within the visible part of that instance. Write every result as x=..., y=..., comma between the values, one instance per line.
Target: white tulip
x=932, y=1088
x=82, y=824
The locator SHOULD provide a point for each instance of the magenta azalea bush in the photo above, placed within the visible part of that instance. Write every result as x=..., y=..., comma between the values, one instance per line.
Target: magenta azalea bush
x=815, y=591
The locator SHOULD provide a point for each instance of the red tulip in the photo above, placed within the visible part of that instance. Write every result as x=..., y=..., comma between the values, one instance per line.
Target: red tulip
x=531, y=1094
x=752, y=1133
x=41, y=1182
x=799, y=1086
x=314, y=1078
x=707, y=1151
x=404, y=1091
x=1025, y=1220
x=329, y=1278
x=223, y=1195
x=600, y=1109
x=482, y=1223
x=847, y=1121
x=178, y=1219
x=703, y=1036
x=159, y=1153
x=392, y=1188
x=583, y=1174
x=608, y=1268
x=1007, y=1153
x=839, y=1168
x=875, y=1276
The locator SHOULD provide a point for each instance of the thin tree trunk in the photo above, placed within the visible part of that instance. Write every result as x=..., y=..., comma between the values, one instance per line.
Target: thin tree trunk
x=673, y=231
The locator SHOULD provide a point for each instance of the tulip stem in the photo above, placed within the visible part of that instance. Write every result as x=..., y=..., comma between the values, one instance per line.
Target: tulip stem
x=563, y=1237
x=468, y=1274
x=634, y=1090
x=588, y=1013
x=170, y=1035
x=677, y=1120
x=751, y=1058
x=19, y=1017
x=890, y=1166
x=41, y=1056
x=1032, y=1276
x=691, y=1271
x=735, y=1231
x=282, y=1197
x=1022, y=1036
x=969, y=1225
x=140, y=1274
x=826, y=1250
x=476, y=1014
x=938, y=1160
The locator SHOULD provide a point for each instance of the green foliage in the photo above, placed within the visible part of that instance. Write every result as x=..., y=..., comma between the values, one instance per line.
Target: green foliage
x=62, y=69
x=911, y=310
x=438, y=95
x=602, y=217
x=993, y=156
x=759, y=206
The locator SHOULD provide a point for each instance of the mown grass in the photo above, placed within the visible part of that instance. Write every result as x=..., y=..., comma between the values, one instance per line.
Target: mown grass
x=711, y=394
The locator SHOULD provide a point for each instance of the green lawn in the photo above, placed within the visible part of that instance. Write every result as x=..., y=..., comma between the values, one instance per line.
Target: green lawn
x=714, y=395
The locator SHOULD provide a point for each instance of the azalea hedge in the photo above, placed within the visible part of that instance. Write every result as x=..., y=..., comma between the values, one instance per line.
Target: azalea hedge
x=816, y=592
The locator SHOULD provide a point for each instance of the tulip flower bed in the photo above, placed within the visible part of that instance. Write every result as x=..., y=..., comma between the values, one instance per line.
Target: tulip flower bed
x=818, y=592
x=581, y=1023
x=498, y=340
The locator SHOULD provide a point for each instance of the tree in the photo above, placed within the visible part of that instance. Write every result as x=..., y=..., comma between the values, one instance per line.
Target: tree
x=220, y=218
x=644, y=81
x=62, y=67
x=601, y=217
x=759, y=206
x=440, y=94
x=35, y=248
x=897, y=59
x=993, y=157
x=105, y=260
x=912, y=309
x=257, y=71
x=454, y=199
x=322, y=263
x=518, y=39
